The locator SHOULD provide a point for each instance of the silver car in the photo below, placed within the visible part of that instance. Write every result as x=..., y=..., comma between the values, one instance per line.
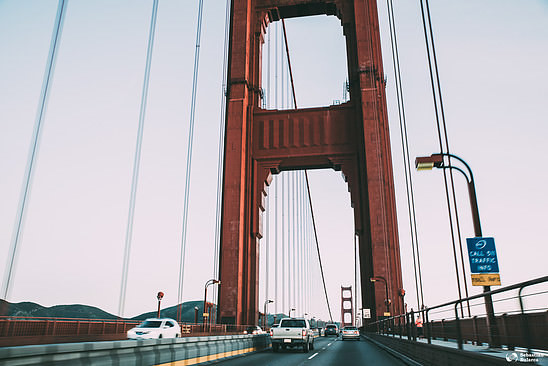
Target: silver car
x=350, y=332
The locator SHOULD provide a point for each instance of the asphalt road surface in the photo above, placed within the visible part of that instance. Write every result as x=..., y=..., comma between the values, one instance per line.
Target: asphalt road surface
x=328, y=351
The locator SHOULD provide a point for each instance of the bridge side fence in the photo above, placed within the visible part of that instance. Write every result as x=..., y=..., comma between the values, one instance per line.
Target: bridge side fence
x=525, y=327
x=18, y=331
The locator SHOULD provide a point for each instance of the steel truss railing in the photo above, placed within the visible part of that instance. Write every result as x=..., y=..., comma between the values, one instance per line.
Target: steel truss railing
x=523, y=327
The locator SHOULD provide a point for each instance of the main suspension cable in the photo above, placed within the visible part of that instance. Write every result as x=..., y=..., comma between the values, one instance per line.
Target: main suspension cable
x=137, y=160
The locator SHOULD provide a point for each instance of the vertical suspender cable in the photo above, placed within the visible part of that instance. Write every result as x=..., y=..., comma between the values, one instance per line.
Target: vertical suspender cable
x=189, y=149
x=137, y=160
x=284, y=287
x=34, y=148
x=439, y=110
x=277, y=181
x=447, y=146
x=308, y=251
x=276, y=38
x=267, y=249
x=301, y=256
x=305, y=256
x=276, y=249
x=317, y=245
x=289, y=65
x=295, y=282
x=291, y=240
x=307, y=182
x=220, y=160
x=406, y=159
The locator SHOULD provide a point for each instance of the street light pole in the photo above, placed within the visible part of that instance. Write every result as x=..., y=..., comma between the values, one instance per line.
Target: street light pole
x=387, y=300
x=437, y=160
x=205, y=313
x=160, y=296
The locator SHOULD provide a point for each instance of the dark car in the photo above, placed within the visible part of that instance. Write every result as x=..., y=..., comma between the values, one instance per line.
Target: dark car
x=331, y=329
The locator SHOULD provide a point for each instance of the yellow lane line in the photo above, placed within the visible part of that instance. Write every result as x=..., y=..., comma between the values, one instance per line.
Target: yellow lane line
x=196, y=360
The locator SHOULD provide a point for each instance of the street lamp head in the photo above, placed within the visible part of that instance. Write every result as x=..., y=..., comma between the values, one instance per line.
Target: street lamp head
x=217, y=281
x=372, y=279
x=270, y=301
x=429, y=162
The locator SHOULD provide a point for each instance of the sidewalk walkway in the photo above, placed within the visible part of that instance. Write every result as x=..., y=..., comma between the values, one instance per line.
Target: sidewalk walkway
x=535, y=357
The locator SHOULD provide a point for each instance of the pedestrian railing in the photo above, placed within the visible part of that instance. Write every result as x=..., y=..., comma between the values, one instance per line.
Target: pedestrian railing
x=521, y=319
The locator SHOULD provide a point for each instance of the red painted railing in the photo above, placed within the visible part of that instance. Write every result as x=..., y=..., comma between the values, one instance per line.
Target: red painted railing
x=29, y=330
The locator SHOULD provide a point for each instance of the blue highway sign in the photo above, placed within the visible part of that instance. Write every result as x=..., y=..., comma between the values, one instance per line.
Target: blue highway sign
x=482, y=255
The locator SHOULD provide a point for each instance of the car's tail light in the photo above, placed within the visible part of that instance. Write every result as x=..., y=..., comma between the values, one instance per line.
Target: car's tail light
x=271, y=333
x=304, y=332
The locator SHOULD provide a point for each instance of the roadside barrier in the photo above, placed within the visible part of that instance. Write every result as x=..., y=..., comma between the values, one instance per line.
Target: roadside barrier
x=162, y=352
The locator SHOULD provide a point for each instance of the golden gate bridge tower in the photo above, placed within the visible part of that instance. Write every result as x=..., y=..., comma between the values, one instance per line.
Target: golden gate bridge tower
x=352, y=137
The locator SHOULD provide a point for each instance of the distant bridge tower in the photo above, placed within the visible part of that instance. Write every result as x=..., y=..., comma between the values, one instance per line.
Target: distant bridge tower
x=346, y=306
x=352, y=137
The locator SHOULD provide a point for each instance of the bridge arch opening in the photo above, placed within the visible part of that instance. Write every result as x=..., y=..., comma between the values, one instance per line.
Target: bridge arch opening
x=317, y=52
x=288, y=235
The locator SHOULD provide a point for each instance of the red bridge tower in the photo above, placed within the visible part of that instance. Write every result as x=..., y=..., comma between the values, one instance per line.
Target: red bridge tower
x=352, y=137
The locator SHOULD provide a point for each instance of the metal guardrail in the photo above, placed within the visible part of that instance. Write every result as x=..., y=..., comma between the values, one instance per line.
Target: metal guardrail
x=187, y=351
x=519, y=327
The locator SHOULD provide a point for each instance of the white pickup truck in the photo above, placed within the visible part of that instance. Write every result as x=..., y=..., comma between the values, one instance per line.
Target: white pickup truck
x=292, y=332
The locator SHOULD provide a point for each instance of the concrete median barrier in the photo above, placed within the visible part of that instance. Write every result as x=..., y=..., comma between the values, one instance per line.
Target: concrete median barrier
x=179, y=351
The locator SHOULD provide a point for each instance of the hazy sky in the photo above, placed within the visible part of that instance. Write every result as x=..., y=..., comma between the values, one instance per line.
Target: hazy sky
x=492, y=58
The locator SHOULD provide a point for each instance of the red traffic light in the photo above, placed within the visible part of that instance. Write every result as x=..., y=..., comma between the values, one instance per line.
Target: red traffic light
x=160, y=295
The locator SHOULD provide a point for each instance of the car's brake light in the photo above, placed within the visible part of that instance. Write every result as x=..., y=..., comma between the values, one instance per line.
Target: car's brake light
x=304, y=332
x=271, y=333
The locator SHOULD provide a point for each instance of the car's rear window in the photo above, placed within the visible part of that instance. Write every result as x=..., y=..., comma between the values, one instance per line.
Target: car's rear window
x=350, y=328
x=293, y=323
x=331, y=326
x=150, y=324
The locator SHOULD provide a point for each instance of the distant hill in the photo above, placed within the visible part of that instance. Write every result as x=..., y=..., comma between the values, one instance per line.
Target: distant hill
x=31, y=309
x=58, y=311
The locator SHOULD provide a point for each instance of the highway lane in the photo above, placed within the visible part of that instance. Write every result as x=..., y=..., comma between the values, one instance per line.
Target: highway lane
x=328, y=351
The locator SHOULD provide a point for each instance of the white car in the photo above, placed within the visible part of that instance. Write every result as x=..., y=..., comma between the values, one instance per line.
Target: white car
x=349, y=332
x=155, y=328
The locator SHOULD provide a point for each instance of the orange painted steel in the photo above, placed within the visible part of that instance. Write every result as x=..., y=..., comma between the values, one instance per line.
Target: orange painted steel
x=352, y=137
